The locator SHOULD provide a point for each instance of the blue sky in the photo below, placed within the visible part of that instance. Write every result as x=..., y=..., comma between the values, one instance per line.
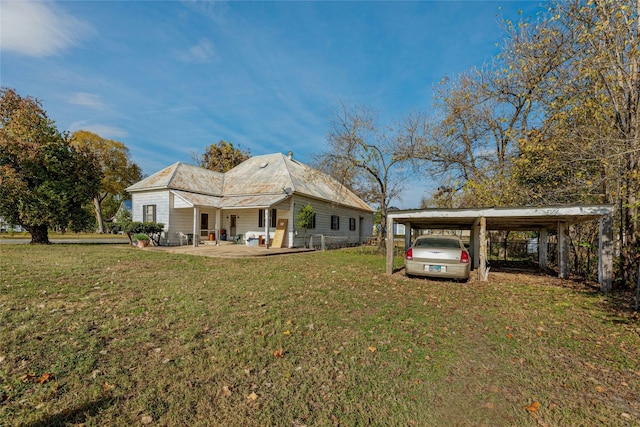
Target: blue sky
x=168, y=78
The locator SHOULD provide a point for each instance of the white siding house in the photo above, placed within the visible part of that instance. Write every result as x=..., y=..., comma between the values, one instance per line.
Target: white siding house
x=247, y=201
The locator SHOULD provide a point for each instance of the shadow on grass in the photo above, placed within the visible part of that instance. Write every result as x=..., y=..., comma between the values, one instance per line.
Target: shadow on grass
x=74, y=415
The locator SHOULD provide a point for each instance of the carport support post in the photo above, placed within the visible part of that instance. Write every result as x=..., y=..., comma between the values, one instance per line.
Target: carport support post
x=563, y=250
x=475, y=243
x=407, y=236
x=196, y=231
x=605, y=258
x=390, y=246
x=482, y=249
x=543, y=248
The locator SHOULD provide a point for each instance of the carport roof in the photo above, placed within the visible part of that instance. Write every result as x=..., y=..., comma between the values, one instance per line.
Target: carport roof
x=510, y=218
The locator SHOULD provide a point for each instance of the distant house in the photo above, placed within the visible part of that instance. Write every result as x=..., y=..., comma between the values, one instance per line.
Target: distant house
x=5, y=227
x=249, y=202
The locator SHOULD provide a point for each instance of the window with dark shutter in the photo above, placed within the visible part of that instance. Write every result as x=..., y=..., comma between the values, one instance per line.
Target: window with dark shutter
x=335, y=222
x=149, y=213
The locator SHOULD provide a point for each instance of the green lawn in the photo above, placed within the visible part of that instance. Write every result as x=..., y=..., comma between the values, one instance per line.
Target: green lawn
x=64, y=236
x=113, y=335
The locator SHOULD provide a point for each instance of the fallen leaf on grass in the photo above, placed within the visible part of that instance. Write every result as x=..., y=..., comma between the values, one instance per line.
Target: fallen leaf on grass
x=372, y=349
x=146, y=419
x=509, y=336
x=226, y=391
x=252, y=397
x=278, y=353
x=27, y=378
x=534, y=407
x=287, y=332
x=44, y=378
x=600, y=389
x=107, y=387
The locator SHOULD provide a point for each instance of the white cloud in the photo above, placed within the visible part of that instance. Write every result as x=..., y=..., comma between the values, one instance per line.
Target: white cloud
x=38, y=28
x=214, y=10
x=105, y=131
x=202, y=52
x=87, y=100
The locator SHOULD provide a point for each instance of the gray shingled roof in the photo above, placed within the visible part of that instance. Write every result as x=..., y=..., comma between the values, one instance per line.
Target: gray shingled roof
x=256, y=180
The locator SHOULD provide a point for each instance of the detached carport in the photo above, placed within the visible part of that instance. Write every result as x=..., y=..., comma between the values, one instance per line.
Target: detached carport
x=543, y=220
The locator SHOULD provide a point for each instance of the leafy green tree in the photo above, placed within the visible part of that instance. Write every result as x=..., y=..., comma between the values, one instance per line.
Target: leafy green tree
x=118, y=172
x=221, y=157
x=44, y=181
x=305, y=219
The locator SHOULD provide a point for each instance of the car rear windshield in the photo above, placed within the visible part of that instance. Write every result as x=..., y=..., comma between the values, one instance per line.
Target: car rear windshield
x=438, y=243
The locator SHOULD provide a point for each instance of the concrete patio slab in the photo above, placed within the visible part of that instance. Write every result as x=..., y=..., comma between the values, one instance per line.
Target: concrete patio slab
x=228, y=250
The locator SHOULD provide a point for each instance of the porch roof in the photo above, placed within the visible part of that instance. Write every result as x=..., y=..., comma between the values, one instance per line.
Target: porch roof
x=249, y=201
x=199, y=200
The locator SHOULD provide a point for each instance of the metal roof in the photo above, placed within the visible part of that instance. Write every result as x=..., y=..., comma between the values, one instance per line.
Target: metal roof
x=262, y=201
x=510, y=218
x=259, y=182
x=180, y=176
x=199, y=200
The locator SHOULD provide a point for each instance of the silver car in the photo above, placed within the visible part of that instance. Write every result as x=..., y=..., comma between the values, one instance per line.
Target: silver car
x=437, y=256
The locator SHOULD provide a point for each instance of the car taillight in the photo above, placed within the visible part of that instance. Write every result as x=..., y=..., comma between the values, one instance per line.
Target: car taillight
x=464, y=257
x=409, y=254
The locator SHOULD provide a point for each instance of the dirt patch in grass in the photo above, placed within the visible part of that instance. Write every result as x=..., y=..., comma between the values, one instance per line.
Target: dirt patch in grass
x=96, y=335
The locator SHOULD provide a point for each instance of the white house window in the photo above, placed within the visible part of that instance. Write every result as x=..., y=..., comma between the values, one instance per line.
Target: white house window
x=149, y=213
x=273, y=219
x=352, y=224
x=335, y=222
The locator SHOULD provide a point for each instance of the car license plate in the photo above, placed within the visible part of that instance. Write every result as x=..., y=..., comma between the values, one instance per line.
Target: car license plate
x=436, y=268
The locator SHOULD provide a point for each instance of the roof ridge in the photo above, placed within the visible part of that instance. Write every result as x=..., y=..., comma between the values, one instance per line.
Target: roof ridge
x=175, y=170
x=286, y=165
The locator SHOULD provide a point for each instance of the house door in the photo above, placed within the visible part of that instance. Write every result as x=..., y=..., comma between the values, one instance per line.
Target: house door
x=232, y=225
x=204, y=224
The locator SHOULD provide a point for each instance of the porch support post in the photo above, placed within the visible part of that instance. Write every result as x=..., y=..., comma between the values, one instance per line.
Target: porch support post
x=389, y=244
x=266, y=227
x=291, y=226
x=408, y=230
x=217, y=226
x=482, y=249
x=196, y=228
x=563, y=250
x=605, y=256
x=543, y=248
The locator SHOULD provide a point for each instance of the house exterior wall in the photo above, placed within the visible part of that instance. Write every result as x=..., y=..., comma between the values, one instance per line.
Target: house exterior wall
x=158, y=198
x=324, y=211
x=247, y=222
x=177, y=216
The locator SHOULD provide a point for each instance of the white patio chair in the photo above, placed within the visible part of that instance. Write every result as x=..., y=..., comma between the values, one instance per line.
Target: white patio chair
x=182, y=236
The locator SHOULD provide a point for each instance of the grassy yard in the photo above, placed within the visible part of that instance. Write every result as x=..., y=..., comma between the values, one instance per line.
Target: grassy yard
x=112, y=335
x=63, y=236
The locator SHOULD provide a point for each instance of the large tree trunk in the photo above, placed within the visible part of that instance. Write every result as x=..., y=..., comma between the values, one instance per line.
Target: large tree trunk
x=39, y=234
x=99, y=219
x=383, y=233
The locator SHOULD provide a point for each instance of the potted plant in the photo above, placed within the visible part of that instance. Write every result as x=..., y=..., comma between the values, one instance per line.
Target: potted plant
x=142, y=239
